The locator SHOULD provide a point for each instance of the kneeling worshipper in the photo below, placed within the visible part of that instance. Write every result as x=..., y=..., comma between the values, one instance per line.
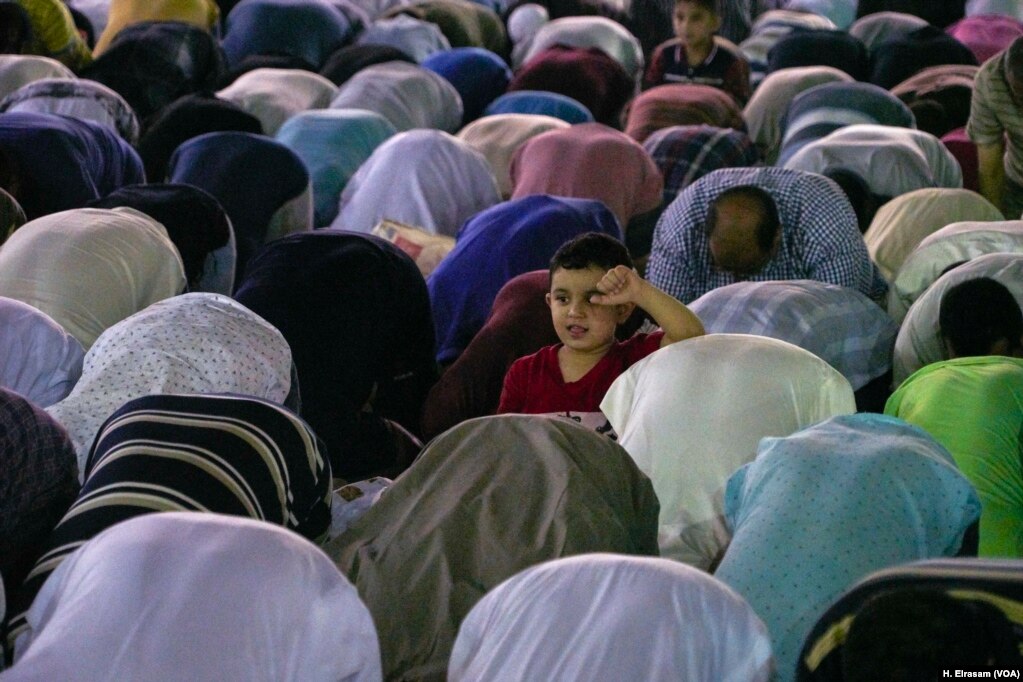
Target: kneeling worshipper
x=681, y=104
x=607, y=35
x=275, y=95
x=825, y=108
x=195, y=222
x=611, y=617
x=922, y=341
x=407, y=95
x=38, y=483
x=760, y=224
x=588, y=161
x=498, y=136
x=89, y=268
x=837, y=324
x=954, y=243
x=333, y=144
x=153, y=63
x=425, y=178
x=40, y=360
x=974, y=407
x=906, y=220
x=919, y=617
x=355, y=311
x=765, y=112
x=692, y=413
x=17, y=70
x=122, y=13
x=78, y=98
x=193, y=343
x=54, y=163
x=262, y=184
x=225, y=454
x=310, y=29
x=485, y=500
x=824, y=507
x=187, y=596
x=497, y=244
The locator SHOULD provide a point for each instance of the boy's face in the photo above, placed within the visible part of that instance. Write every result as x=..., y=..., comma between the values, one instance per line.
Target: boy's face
x=583, y=326
x=694, y=24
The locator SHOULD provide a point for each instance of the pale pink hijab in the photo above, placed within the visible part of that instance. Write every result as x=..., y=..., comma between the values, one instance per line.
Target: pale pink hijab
x=589, y=161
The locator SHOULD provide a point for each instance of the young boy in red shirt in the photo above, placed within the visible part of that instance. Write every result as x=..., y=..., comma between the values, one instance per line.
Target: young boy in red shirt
x=593, y=289
x=693, y=56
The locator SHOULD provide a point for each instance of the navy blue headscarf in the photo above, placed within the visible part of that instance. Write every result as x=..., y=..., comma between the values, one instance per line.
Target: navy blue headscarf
x=63, y=163
x=479, y=75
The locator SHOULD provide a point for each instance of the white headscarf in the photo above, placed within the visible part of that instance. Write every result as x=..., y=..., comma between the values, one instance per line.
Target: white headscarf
x=891, y=160
x=194, y=343
x=919, y=341
x=407, y=95
x=693, y=412
x=39, y=360
x=17, y=70
x=190, y=596
x=425, y=178
x=89, y=268
x=583, y=32
x=611, y=617
x=951, y=244
x=275, y=95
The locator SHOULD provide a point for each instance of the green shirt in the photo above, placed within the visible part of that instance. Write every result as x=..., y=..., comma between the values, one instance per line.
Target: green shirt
x=974, y=407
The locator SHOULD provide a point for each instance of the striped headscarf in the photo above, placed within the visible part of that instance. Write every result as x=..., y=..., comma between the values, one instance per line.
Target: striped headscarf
x=206, y=453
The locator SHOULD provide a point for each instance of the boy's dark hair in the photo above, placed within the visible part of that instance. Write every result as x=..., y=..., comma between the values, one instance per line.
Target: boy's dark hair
x=912, y=634
x=976, y=314
x=770, y=223
x=709, y=5
x=589, y=250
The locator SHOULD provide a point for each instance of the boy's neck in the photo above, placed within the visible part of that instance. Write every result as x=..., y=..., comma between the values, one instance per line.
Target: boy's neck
x=697, y=54
x=574, y=365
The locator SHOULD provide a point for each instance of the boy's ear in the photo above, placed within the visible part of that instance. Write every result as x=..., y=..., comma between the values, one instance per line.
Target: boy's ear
x=547, y=297
x=624, y=310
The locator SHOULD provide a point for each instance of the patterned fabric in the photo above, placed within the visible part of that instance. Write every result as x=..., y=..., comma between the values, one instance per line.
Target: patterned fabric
x=38, y=483
x=684, y=154
x=210, y=453
x=194, y=343
x=820, y=509
x=840, y=325
x=820, y=237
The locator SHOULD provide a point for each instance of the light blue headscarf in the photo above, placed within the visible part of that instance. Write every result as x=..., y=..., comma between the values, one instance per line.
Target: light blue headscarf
x=820, y=509
x=333, y=143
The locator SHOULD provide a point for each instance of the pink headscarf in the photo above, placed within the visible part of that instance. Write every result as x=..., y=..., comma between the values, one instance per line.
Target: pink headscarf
x=589, y=161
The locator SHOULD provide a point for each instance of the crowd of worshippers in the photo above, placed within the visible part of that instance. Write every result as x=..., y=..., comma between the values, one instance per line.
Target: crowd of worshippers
x=505, y=340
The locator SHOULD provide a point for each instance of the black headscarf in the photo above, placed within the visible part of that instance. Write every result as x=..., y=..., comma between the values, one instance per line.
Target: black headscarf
x=356, y=313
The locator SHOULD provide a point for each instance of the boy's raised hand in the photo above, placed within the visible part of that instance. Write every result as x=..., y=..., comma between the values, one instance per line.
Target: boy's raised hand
x=620, y=284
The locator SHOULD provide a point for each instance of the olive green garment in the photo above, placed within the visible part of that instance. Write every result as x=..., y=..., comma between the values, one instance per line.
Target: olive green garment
x=974, y=407
x=485, y=500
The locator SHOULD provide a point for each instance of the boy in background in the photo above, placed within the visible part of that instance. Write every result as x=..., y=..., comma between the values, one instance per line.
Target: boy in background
x=593, y=289
x=694, y=56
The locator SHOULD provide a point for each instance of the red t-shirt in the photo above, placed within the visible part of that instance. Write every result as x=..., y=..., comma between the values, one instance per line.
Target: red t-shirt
x=534, y=385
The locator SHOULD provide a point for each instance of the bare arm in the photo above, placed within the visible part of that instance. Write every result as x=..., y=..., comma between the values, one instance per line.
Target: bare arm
x=624, y=285
x=991, y=172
